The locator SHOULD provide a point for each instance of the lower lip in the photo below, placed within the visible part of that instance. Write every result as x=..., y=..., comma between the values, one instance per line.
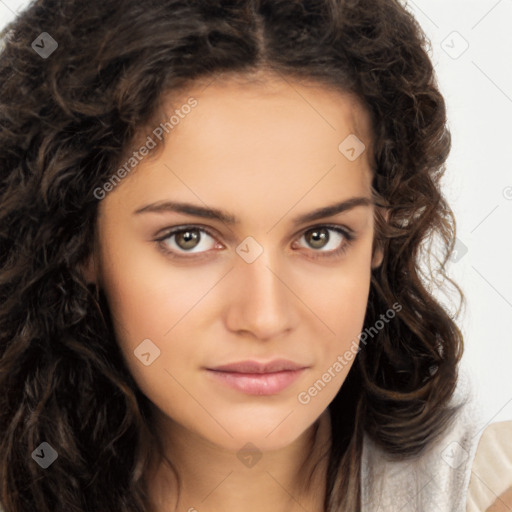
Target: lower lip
x=258, y=383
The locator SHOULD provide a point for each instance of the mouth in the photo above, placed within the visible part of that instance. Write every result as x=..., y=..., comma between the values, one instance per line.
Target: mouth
x=253, y=378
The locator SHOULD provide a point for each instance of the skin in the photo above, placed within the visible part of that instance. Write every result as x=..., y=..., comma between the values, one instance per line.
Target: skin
x=503, y=503
x=265, y=152
x=495, y=439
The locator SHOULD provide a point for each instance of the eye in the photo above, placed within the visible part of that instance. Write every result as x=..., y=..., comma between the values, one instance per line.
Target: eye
x=319, y=237
x=189, y=239
x=194, y=240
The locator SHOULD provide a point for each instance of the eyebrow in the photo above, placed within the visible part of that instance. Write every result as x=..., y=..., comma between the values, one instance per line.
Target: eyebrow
x=225, y=217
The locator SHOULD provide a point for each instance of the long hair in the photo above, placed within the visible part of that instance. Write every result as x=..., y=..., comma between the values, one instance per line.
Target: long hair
x=69, y=115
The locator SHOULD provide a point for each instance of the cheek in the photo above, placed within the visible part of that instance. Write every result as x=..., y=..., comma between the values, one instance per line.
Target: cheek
x=339, y=295
x=341, y=304
x=151, y=299
x=152, y=302
x=146, y=293
x=345, y=317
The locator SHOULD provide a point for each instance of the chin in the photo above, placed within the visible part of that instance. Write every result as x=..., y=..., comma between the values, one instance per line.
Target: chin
x=265, y=435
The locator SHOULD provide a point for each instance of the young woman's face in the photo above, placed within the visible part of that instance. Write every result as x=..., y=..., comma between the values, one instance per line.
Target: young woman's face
x=262, y=284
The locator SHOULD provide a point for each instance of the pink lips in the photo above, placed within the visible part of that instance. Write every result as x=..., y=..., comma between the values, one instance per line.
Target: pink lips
x=255, y=378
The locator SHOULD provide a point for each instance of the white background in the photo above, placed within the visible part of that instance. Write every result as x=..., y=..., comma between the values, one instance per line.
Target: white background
x=477, y=86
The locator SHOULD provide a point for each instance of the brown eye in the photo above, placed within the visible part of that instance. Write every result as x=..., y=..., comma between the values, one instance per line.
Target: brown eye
x=334, y=238
x=187, y=240
x=317, y=237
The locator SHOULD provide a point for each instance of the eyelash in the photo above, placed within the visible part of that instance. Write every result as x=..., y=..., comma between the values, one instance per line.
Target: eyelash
x=347, y=235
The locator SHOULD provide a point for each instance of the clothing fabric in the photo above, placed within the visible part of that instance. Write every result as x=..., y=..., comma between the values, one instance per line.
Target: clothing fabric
x=491, y=474
x=438, y=480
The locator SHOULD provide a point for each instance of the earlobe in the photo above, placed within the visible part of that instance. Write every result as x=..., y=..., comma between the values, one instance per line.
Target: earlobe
x=88, y=270
x=378, y=257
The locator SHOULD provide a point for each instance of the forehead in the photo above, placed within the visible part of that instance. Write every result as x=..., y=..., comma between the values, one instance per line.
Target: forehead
x=265, y=99
x=256, y=147
x=266, y=120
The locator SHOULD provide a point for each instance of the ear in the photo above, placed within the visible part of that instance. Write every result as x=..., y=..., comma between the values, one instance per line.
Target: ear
x=378, y=253
x=378, y=256
x=89, y=270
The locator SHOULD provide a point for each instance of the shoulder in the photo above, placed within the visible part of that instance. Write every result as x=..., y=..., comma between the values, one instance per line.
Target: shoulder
x=435, y=481
x=491, y=472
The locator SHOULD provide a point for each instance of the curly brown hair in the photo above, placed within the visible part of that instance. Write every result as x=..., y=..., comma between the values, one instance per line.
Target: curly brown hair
x=66, y=122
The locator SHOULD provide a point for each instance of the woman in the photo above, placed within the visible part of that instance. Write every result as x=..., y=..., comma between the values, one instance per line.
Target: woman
x=211, y=219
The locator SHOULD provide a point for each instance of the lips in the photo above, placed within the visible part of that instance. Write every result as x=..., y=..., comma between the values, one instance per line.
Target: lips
x=278, y=365
x=254, y=378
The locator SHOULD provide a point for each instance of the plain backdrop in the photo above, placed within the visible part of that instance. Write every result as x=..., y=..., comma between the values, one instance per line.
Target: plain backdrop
x=471, y=48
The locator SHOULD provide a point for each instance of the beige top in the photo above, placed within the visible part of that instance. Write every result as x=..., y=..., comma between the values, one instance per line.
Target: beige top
x=465, y=471
x=491, y=474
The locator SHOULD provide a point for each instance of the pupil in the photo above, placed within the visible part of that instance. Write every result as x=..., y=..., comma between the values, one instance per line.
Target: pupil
x=319, y=236
x=190, y=237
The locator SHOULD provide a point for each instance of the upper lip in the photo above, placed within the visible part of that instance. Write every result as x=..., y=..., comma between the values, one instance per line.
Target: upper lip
x=277, y=365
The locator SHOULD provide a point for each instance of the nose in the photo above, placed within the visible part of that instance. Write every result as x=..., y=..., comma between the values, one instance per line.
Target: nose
x=261, y=299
